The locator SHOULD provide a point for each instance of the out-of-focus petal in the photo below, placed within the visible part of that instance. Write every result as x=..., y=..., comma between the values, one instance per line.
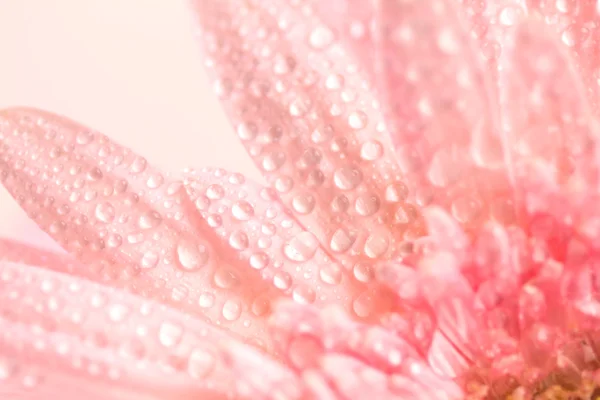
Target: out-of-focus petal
x=546, y=112
x=307, y=117
x=577, y=23
x=130, y=225
x=441, y=115
x=352, y=20
x=61, y=331
x=352, y=359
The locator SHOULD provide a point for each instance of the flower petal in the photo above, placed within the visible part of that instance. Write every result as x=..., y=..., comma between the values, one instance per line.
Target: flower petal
x=546, y=111
x=578, y=24
x=352, y=20
x=130, y=225
x=438, y=101
x=265, y=237
x=308, y=119
x=57, y=331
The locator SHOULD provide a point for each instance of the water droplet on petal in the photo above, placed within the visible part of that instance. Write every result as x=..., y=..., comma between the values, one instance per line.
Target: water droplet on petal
x=321, y=37
x=357, y=120
x=201, y=363
x=282, y=280
x=232, y=309
x=341, y=241
x=302, y=247
x=192, y=256
x=242, y=210
x=105, y=212
x=170, y=334
x=347, y=178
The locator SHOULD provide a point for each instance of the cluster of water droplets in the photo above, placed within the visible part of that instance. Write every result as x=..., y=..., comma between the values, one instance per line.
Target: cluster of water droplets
x=312, y=126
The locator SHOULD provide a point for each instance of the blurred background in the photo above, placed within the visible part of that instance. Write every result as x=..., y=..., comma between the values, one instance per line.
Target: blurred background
x=130, y=69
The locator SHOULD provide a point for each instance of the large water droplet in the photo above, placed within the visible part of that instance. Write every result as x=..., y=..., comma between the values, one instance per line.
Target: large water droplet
x=105, y=212
x=367, y=205
x=242, y=210
x=302, y=247
x=347, y=178
x=170, y=334
x=191, y=255
x=239, y=240
x=303, y=203
x=357, y=120
x=321, y=37
x=232, y=309
x=149, y=220
x=342, y=240
x=282, y=280
x=201, y=363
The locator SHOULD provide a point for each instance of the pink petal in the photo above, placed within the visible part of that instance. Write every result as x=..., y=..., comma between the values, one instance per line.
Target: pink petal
x=546, y=110
x=65, y=336
x=304, y=334
x=260, y=233
x=352, y=20
x=308, y=119
x=442, y=118
x=132, y=226
x=577, y=23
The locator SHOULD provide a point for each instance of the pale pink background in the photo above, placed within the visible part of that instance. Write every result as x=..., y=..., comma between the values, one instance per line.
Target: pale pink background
x=129, y=68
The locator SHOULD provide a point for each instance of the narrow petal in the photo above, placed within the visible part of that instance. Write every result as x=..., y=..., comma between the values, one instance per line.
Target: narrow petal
x=127, y=223
x=60, y=331
x=577, y=23
x=304, y=334
x=266, y=237
x=546, y=111
x=438, y=100
x=352, y=20
x=307, y=117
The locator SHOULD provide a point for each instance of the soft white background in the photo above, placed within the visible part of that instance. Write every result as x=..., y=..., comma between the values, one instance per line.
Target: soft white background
x=130, y=69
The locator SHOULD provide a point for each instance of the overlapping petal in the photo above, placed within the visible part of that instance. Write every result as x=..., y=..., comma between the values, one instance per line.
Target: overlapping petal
x=441, y=110
x=65, y=336
x=129, y=225
x=308, y=118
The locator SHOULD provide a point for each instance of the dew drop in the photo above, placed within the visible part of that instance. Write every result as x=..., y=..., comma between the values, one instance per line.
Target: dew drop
x=302, y=247
x=341, y=241
x=367, y=205
x=321, y=37
x=155, y=181
x=303, y=203
x=232, y=309
x=376, y=245
x=206, y=300
x=303, y=294
x=282, y=280
x=239, y=240
x=170, y=334
x=357, y=120
x=363, y=272
x=347, y=178
x=150, y=259
x=215, y=192
x=149, y=220
x=105, y=212
x=242, y=210
x=201, y=363
x=371, y=150
x=259, y=260
x=331, y=274
x=192, y=256
x=225, y=278
x=396, y=192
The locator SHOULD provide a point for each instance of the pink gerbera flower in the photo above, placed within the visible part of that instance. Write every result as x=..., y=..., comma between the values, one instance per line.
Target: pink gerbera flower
x=431, y=230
